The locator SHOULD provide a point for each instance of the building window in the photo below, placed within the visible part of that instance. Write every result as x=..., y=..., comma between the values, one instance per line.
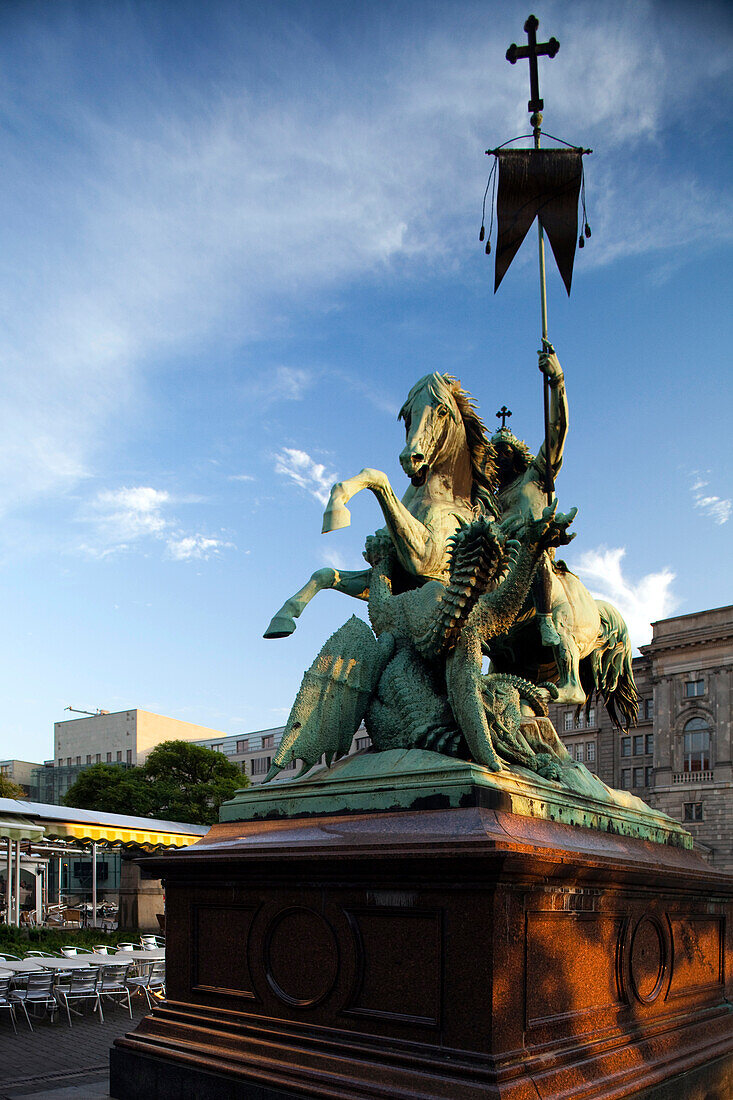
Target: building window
x=568, y=720
x=693, y=688
x=61, y=761
x=217, y=748
x=638, y=777
x=291, y=766
x=89, y=758
x=363, y=743
x=98, y=758
x=696, y=746
x=649, y=709
x=268, y=741
x=109, y=757
x=580, y=721
x=78, y=760
x=649, y=777
x=638, y=744
x=261, y=765
x=626, y=746
x=649, y=742
x=129, y=756
x=242, y=746
x=591, y=716
x=590, y=751
x=693, y=811
x=626, y=778
x=578, y=752
x=119, y=756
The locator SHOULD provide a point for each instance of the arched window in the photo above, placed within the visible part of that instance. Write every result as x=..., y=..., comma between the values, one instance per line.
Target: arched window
x=697, y=745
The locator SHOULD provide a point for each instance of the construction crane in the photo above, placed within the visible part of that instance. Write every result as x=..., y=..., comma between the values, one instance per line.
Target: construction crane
x=89, y=713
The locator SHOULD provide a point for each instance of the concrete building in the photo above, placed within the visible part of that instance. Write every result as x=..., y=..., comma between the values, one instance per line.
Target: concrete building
x=678, y=758
x=124, y=737
x=22, y=772
x=253, y=752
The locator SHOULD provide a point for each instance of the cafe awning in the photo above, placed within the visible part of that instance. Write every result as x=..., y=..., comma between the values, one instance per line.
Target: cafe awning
x=20, y=828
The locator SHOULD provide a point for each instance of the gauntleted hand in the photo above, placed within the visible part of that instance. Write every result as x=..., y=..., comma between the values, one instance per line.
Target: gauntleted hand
x=549, y=363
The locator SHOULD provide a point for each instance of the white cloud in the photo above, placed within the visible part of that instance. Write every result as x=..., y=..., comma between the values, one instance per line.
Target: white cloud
x=640, y=602
x=195, y=546
x=715, y=507
x=172, y=215
x=241, y=477
x=121, y=519
x=285, y=384
x=310, y=475
x=123, y=516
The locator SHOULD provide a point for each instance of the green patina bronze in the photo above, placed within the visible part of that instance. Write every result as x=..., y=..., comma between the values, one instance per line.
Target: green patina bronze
x=463, y=569
x=415, y=779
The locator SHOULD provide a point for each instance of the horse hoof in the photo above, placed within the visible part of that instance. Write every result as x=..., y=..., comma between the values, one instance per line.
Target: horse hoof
x=334, y=518
x=282, y=626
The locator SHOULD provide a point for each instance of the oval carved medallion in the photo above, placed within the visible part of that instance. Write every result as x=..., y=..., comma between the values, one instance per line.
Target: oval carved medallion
x=301, y=957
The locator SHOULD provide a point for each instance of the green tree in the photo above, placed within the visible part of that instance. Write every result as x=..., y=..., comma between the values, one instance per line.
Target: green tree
x=189, y=782
x=112, y=789
x=8, y=789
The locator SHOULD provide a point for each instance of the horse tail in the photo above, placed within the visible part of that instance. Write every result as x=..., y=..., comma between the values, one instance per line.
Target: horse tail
x=608, y=672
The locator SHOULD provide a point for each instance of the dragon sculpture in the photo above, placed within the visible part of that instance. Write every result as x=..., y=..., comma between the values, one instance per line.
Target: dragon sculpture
x=416, y=679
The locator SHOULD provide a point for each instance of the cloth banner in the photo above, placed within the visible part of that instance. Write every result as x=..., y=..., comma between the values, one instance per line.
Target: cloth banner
x=542, y=183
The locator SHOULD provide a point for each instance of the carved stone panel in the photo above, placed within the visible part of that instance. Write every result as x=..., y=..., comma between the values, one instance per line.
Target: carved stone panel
x=219, y=957
x=400, y=975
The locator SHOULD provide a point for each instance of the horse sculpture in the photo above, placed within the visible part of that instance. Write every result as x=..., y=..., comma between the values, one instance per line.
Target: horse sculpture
x=450, y=463
x=596, y=652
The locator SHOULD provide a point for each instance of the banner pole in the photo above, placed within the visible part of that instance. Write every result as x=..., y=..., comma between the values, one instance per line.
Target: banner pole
x=536, y=122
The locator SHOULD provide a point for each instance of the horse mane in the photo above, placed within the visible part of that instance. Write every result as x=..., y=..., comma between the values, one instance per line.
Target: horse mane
x=484, y=470
x=483, y=455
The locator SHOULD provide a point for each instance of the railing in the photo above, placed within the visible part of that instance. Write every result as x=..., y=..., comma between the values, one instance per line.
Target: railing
x=692, y=777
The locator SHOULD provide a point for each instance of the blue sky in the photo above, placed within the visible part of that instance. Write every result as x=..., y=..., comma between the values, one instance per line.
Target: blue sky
x=233, y=236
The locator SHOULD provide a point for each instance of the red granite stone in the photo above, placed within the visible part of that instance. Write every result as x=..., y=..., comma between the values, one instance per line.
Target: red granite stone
x=436, y=955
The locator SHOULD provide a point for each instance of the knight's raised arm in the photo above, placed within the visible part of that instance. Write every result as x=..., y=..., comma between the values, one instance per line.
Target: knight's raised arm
x=549, y=364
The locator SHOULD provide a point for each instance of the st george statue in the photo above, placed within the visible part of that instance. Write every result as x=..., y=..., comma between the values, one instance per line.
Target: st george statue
x=463, y=568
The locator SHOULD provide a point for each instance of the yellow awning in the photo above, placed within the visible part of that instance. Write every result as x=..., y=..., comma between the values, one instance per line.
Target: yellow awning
x=19, y=828
x=115, y=834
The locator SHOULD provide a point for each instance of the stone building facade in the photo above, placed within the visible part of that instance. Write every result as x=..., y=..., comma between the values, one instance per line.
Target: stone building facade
x=678, y=758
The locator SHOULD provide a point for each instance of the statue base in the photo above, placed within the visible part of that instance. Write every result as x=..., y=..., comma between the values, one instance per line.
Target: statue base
x=461, y=951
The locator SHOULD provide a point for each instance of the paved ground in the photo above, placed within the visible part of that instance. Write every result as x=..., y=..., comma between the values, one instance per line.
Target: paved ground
x=57, y=1063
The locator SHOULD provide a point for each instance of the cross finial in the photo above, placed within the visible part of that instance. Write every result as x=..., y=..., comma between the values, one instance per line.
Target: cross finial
x=503, y=413
x=533, y=51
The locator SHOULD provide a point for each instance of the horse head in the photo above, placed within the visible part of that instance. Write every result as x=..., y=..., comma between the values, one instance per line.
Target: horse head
x=433, y=426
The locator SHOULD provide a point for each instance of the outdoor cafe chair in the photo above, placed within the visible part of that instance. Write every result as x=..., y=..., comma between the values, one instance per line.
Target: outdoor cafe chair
x=38, y=991
x=71, y=951
x=150, y=982
x=40, y=955
x=113, y=983
x=10, y=958
x=150, y=943
x=128, y=946
x=83, y=987
x=5, y=1001
x=104, y=949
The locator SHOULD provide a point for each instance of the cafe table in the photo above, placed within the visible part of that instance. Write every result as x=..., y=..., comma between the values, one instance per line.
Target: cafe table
x=21, y=966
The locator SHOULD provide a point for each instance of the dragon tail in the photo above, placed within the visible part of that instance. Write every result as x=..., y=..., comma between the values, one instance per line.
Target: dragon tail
x=608, y=671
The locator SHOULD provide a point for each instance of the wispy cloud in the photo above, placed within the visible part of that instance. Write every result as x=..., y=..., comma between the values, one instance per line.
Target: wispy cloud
x=305, y=472
x=640, y=602
x=716, y=508
x=171, y=216
x=285, y=384
x=125, y=518
x=199, y=547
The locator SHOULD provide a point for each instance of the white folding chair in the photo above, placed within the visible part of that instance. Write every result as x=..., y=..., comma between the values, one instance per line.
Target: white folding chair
x=38, y=991
x=113, y=983
x=83, y=987
x=5, y=1001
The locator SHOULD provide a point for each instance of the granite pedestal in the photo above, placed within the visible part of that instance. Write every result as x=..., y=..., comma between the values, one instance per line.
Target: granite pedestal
x=437, y=950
